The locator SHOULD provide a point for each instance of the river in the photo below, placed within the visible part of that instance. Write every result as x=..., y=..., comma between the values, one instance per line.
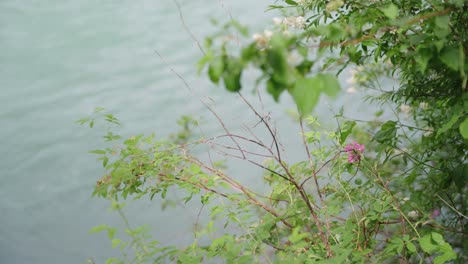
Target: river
x=60, y=60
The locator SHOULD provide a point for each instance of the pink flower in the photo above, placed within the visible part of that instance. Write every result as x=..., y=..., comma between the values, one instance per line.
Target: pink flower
x=435, y=213
x=354, y=151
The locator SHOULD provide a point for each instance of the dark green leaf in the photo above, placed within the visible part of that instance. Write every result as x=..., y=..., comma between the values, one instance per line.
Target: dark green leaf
x=450, y=57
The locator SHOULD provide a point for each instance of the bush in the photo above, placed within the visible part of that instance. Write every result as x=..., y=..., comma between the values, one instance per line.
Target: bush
x=381, y=191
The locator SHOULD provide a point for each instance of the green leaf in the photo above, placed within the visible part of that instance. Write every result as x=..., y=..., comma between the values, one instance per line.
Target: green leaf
x=426, y=244
x=450, y=57
x=232, y=74
x=437, y=238
x=278, y=61
x=216, y=69
x=346, y=130
x=112, y=260
x=447, y=254
x=411, y=247
x=390, y=11
x=442, y=22
x=98, y=229
x=449, y=124
x=330, y=84
x=290, y=2
x=422, y=58
x=387, y=132
x=274, y=89
x=464, y=128
x=98, y=151
x=306, y=93
x=116, y=242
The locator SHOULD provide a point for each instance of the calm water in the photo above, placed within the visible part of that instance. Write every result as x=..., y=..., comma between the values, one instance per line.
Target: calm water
x=61, y=59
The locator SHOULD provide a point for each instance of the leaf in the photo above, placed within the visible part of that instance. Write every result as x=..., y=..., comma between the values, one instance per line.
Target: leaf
x=112, y=260
x=216, y=69
x=232, y=75
x=330, y=84
x=438, y=238
x=411, y=247
x=346, y=130
x=449, y=124
x=422, y=58
x=464, y=128
x=274, y=89
x=290, y=2
x=391, y=11
x=277, y=59
x=306, y=93
x=98, y=151
x=105, y=160
x=116, y=242
x=387, y=132
x=442, y=22
x=447, y=254
x=450, y=57
x=426, y=244
x=98, y=229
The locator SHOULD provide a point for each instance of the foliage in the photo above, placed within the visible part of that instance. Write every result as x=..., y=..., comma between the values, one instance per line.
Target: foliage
x=395, y=194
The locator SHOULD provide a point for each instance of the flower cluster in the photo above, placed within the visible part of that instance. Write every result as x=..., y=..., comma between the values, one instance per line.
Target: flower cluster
x=354, y=151
x=334, y=5
x=262, y=39
x=302, y=3
x=295, y=22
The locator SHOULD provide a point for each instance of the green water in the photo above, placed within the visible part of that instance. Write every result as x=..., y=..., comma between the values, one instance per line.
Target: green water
x=61, y=59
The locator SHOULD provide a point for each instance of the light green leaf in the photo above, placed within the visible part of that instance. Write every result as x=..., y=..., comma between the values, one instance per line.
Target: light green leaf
x=411, y=247
x=330, y=84
x=98, y=151
x=98, y=229
x=116, y=242
x=427, y=245
x=447, y=254
x=464, y=128
x=346, y=130
x=391, y=11
x=306, y=93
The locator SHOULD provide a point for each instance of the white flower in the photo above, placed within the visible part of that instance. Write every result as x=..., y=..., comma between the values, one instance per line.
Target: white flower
x=300, y=22
x=429, y=131
x=423, y=105
x=277, y=21
x=413, y=215
x=296, y=22
x=302, y=2
x=294, y=58
x=405, y=108
x=267, y=34
x=351, y=90
x=351, y=79
x=262, y=39
x=334, y=5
